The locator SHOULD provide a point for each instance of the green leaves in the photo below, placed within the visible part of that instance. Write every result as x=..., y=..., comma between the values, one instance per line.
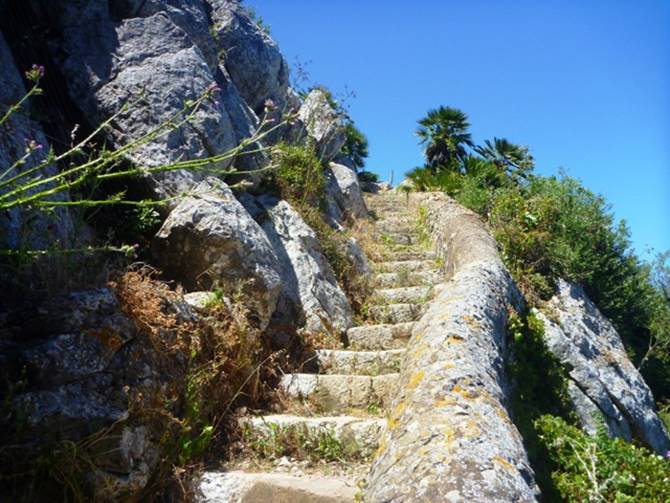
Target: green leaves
x=601, y=469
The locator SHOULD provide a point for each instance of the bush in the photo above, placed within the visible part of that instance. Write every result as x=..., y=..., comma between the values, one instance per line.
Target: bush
x=601, y=469
x=368, y=177
x=356, y=145
x=299, y=173
x=554, y=227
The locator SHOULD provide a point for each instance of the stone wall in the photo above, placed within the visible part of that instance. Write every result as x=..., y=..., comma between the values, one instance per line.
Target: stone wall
x=449, y=435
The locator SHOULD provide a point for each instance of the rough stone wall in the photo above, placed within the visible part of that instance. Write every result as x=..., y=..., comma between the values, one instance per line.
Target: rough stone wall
x=449, y=436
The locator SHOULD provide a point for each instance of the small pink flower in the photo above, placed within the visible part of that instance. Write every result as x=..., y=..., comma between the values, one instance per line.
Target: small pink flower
x=32, y=145
x=270, y=106
x=35, y=73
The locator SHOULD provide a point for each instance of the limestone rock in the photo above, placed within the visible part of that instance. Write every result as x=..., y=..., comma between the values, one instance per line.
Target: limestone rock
x=308, y=283
x=110, y=62
x=603, y=379
x=250, y=56
x=450, y=437
x=323, y=123
x=345, y=191
x=83, y=361
x=210, y=239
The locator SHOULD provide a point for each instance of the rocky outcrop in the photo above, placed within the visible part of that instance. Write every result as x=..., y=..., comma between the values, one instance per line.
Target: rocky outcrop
x=156, y=63
x=603, y=381
x=449, y=436
x=323, y=124
x=20, y=227
x=250, y=56
x=83, y=368
x=344, y=193
x=309, y=287
x=210, y=240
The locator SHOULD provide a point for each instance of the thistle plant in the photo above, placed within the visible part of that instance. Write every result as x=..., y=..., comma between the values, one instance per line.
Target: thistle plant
x=38, y=188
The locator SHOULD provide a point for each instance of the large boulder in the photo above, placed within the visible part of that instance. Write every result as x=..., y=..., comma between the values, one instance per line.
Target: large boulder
x=21, y=227
x=603, y=381
x=309, y=287
x=323, y=124
x=209, y=239
x=250, y=56
x=166, y=57
x=343, y=188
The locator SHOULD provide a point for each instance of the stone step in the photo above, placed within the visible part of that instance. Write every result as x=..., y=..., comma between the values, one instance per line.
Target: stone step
x=337, y=361
x=410, y=253
x=406, y=265
x=394, y=238
x=246, y=487
x=403, y=295
x=380, y=337
x=394, y=313
x=340, y=393
x=396, y=227
x=399, y=279
x=355, y=437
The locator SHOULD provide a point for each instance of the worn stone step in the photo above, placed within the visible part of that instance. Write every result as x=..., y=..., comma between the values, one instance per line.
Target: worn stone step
x=380, y=337
x=409, y=253
x=407, y=278
x=395, y=313
x=406, y=265
x=403, y=295
x=394, y=238
x=337, y=361
x=357, y=436
x=340, y=393
x=246, y=487
x=397, y=227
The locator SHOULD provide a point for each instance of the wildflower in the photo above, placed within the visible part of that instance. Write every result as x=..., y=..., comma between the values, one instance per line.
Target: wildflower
x=270, y=106
x=667, y=455
x=35, y=73
x=211, y=91
x=32, y=145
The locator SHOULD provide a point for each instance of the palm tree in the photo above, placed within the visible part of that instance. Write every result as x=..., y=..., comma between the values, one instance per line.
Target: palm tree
x=509, y=157
x=444, y=135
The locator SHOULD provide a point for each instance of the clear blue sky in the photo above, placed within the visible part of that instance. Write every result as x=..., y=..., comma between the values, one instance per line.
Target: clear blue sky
x=584, y=83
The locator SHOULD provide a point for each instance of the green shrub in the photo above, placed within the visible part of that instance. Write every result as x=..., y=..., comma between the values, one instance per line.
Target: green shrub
x=554, y=227
x=299, y=173
x=539, y=386
x=356, y=145
x=601, y=469
x=368, y=177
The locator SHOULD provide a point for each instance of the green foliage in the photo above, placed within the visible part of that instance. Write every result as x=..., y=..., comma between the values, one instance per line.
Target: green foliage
x=508, y=157
x=356, y=145
x=298, y=173
x=554, y=227
x=601, y=469
x=444, y=135
x=540, y=387
x=277, y=441
x=368, y=177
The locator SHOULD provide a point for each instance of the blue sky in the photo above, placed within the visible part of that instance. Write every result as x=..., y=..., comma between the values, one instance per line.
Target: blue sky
x=585, y=84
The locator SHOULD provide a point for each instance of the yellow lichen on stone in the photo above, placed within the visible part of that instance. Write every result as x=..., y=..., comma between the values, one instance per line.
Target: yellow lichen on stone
x=471, y=430
x=504, y=463
x=416, y=379
x=393, y=422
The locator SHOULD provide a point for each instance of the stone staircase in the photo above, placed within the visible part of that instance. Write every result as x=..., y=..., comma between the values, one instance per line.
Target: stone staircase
x=341, y=410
